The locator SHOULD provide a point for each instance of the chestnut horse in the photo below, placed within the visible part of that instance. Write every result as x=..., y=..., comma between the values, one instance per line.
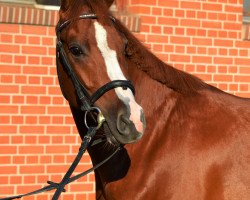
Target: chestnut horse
x=196, y=144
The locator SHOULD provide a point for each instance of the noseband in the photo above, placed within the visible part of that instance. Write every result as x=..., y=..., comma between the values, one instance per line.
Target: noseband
x=87, y=100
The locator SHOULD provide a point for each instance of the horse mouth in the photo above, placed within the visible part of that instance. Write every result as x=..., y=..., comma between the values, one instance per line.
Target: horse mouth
x=125, y=133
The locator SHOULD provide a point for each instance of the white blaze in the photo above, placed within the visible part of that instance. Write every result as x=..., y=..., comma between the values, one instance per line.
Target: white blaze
x=115, y=73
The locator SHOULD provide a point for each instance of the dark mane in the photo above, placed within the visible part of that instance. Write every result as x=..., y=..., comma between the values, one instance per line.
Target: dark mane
x=146, y=61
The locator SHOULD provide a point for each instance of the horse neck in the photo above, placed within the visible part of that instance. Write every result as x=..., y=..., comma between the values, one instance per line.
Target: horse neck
x=151, y=94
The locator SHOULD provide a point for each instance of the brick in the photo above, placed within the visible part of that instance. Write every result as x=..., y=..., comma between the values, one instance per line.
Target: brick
x=242, y=44
x=4, y=120
x=156, y=29
x=169, y=3
x=7, y=150
x=180, y=58
x=34, y=40
x=21, y=79
x=179, y=31
x=6, y=38
x=191, y=14
x=34, y=129
x=79, y=187
x=8, y=129
x=17, y=119
x=221, y=60
x=31, y=119
x=34, y=80
x=179, y=40
x=46, y=159
x=179, y=13
x=244, y=70
x=18, y=99
x=34, y=50
x=190, y=22
x=34, y=60
x=47, y=61
x=29, y=179
x=20, y=59
x=57, y=169
x=8, y=109
x=6, y=58
x=33, y=90
x=233, y=8
x=140, y=9
x=33, y=30
x=204, y=77
x=222, y=69
x=242, y=61
x=6, y=79
x=212, y=7
x=31, y=149
x=158, y=39
x=168, y=21
x=148, y=20
x=7, y=190
x=58, y=129
x=202, y=50
x=17, y=139
x=242, y=78
x=223, y=78
x=35, y=70
x=18, y=159
x=224, y=43
x=5, y=160
x=211, y=24
x=36, y=109
x=201, y=59
x=232, y=26
x=222, y=34
x=190, y=5
x=9, y=28
x=149, y=2
x=202, y=41
x=58, y=159
x=6, y=48
x=201, y=15
x=20, y=39
x=15, y=180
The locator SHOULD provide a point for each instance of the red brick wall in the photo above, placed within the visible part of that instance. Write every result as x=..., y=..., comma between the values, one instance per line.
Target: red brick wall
x=38, y=139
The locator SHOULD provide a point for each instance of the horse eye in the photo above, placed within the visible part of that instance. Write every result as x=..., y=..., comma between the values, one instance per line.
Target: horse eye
x=76, y=51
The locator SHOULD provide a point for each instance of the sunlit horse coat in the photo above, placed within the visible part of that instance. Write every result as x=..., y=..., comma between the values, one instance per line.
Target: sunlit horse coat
x=197, y=141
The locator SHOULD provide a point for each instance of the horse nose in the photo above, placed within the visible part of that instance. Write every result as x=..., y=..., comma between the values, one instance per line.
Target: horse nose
x=127, y=125
x=123, y=125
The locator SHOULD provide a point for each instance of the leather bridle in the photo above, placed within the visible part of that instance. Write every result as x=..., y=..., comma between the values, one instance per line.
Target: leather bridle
x=87, y=100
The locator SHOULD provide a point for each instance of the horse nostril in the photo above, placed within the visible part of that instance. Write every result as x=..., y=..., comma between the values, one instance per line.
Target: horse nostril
x=123, y=124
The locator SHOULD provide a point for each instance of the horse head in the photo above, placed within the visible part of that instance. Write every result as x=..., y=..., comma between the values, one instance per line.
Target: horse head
x=90, y=56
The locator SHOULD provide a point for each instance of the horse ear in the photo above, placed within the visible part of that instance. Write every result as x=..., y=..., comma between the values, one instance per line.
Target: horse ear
x=64, y=5
x=109, y=2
